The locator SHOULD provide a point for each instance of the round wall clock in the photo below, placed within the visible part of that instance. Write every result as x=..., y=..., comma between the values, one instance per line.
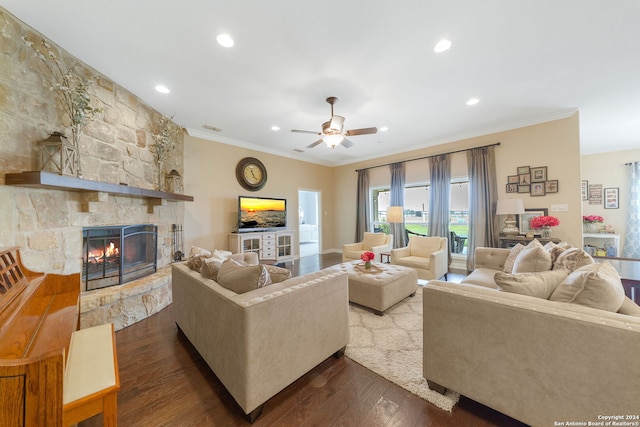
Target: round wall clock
x=251, y=174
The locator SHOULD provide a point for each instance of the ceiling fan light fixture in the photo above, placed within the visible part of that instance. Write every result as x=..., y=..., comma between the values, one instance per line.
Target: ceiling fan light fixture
x=442, y=45
x=224, y=40
x=332, y=140
x=336, y=123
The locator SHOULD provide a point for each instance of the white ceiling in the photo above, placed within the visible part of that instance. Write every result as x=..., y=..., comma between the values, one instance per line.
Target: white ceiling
x=528, y=61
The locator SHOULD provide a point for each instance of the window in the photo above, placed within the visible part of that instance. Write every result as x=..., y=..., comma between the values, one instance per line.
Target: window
x=416, y=208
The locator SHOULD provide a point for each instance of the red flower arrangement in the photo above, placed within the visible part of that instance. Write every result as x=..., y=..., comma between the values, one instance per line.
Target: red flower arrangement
x=367, y=256
x=592, y=218
x=544, y=221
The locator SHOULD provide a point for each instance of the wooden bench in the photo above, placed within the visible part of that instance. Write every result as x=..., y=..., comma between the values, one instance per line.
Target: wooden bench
x=91, y=379
x=39, y=315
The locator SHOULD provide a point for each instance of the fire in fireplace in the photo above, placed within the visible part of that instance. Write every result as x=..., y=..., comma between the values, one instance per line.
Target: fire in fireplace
x=114, y=255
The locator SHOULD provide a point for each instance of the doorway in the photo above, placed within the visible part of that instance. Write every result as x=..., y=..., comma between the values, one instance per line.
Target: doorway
x=309, y=222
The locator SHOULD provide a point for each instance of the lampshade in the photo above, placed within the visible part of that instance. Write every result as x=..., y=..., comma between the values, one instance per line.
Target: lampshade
x=395, y=214
x=333, y=140
x=510, y=207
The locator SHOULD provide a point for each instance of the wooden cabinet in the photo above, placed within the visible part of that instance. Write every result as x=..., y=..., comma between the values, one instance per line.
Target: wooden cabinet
x=274, y=246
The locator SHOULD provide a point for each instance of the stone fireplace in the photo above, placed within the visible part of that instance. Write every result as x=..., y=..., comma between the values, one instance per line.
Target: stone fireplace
x=114, y=255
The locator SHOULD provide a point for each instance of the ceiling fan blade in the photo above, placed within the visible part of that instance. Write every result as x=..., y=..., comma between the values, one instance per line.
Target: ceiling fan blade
x=363, y=131
x=346, y=143
x=314, y=144
x=306, y=131
x=336, y=123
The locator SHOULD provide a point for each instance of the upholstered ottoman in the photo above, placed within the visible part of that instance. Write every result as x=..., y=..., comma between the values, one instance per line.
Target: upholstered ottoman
x=382, y=286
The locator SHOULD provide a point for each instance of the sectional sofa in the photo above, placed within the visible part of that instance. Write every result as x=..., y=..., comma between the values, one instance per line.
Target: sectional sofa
x=260, y=341
x=539, y=361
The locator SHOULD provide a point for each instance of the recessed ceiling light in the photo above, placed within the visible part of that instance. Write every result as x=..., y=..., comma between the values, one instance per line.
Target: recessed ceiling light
x=473, y=101
x=384, y=129
x=442, y=45
x=275, y=127
x=224, y=40
x=162, y=89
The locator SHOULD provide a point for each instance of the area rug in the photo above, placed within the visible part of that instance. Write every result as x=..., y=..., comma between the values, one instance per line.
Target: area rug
x=391, y=346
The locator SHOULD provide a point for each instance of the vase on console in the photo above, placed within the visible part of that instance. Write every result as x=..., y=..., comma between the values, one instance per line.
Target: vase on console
x=367, y=265
x=545, y=232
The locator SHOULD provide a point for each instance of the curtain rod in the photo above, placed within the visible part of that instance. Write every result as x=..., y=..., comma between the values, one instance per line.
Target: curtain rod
x=428, y=157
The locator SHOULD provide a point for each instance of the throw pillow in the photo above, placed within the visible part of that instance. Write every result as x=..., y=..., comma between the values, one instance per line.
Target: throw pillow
x=196, y=251
x=278, y=274
x=532, y=258
x=539, y=285
x=511, y=258
x=210, y=268
x=554, y=250
x=572, y=259
x=241, y=279
x=629, y=308
x=195, y=262
x=595, y=285
x=373, y=239
x=220, y=254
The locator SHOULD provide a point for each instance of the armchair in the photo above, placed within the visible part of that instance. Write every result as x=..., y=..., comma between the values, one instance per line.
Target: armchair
x=429, y=256
x=372, y=242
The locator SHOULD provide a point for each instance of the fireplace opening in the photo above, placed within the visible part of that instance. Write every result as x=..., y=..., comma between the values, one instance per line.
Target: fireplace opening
x=114, y=255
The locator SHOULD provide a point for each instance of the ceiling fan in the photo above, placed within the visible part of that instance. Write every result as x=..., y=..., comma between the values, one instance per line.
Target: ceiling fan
x=332, y=133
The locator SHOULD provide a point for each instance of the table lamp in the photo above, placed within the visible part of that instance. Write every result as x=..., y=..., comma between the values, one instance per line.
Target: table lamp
x=510, y=207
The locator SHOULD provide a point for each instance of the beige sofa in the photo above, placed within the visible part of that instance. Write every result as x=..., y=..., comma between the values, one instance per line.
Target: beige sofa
x=259, y=342
x=541, y=362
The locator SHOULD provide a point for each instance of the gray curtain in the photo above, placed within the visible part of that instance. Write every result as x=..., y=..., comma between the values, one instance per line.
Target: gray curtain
x=483, y=196
x=397, y=199
x=362, y=205
x=440, y=197
x=632, y=235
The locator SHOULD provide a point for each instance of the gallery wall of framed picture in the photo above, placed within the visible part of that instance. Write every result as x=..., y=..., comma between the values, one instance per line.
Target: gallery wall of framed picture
x=531, y=180
x=596, y=194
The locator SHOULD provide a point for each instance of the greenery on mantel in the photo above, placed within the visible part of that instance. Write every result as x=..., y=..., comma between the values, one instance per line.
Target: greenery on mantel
x=71, y=88
x=165, y=145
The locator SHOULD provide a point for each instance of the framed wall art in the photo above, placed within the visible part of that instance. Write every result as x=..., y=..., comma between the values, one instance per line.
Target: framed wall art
x=595, y=194
x=513, y=179
x=551, y=186
x=523, y=220
x=539, y=174
x=522, y=170
x=512, y=188
x=611, y=198
x=537, y=189
x=584, y=189
x=524, y=188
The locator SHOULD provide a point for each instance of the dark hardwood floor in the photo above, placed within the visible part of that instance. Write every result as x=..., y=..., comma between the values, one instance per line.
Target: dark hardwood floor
x=165, y=382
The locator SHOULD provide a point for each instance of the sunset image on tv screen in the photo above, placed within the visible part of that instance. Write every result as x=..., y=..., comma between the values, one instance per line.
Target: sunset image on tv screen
x=262, y=213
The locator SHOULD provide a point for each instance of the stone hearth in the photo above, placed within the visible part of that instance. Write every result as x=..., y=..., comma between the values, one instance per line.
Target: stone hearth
x=124, y=305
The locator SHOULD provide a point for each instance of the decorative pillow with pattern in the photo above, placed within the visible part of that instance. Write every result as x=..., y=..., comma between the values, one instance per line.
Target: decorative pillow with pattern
x=511, y=258
x=555, y=250
x=278, y=274
x=195, y=262
x=532, y=258
x=240, y=279
x=539, y=285
x=572, y=259
x=595, y=285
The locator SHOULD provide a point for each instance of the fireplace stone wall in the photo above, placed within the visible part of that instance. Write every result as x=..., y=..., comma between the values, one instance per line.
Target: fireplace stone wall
x=117, y=148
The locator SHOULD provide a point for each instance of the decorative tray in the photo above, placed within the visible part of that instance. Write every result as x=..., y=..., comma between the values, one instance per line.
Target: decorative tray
x=374, y=268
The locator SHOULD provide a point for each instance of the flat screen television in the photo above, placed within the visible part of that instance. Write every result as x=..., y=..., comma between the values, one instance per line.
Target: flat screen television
x=261, y=213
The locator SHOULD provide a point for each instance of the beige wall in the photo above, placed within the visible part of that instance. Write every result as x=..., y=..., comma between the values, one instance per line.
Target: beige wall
x=609, y=170
x=210, y=177
x=553, y=144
